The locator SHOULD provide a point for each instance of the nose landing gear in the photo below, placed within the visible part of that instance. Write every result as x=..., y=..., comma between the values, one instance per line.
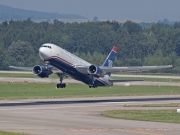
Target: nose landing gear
x=61, y=85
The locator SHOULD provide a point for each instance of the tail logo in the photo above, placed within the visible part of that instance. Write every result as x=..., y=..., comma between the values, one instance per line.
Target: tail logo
x=110, y=63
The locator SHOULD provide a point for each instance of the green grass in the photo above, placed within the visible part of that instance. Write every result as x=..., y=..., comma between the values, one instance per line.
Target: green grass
x=148, y=79
x=169, y=116
x=33, y=90
x=10, y=133
x=18, y=75
x=21, y=75
x=155, y=105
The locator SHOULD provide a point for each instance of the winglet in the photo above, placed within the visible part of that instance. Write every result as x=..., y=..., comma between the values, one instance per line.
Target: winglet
x=115, y=49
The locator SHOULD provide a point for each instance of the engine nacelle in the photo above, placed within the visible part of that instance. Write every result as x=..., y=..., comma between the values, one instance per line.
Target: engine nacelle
x=41, y=71
x=95, y=71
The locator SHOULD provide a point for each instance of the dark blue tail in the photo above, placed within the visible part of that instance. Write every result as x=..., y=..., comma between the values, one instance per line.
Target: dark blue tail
x=110, y=58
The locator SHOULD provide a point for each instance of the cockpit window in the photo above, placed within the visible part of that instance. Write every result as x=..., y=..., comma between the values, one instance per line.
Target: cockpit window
x=46, y=46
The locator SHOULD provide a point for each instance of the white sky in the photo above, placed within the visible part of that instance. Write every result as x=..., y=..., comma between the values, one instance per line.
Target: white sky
x=144, y=10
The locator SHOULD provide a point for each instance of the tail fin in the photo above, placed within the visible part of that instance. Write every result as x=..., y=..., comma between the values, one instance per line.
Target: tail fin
x=110, y=58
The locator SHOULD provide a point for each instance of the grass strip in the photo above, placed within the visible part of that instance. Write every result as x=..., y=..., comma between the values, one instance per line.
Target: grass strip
x=168, y=116
x=40, y=90
x=21, y=75
x=10, y=133
x=18, y=75
x=148, y=79
x=155, y=105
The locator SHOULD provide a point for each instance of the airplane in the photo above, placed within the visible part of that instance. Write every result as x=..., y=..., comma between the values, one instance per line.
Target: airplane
x=68, y=64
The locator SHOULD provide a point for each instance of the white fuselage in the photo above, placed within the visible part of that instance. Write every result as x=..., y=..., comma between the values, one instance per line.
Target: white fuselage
x=49, y=51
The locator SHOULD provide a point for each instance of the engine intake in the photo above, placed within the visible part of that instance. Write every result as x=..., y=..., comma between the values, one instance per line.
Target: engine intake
x=95, y=71
x=41, y=71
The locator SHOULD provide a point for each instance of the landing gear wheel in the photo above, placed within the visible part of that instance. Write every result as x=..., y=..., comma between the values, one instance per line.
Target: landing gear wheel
x=61, y=77
x=90, y=86
x=93, y=79
x=61, y=85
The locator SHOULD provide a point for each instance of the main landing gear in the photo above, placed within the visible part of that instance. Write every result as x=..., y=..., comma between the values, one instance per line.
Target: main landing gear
x=61, y=85
x=92, y=85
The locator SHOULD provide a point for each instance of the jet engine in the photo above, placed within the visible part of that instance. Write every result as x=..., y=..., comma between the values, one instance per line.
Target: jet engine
x=95, y=71
x=42, y=71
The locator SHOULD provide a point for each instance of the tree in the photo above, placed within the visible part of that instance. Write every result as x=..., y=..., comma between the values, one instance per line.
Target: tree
x=95, y=19
x=1, y=55
x=132, y=27
x=157, y=44
x=177, y=25
x=20, y=53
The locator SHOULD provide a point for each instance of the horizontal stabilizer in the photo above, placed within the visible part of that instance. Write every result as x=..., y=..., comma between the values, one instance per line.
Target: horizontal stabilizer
x=120, y=80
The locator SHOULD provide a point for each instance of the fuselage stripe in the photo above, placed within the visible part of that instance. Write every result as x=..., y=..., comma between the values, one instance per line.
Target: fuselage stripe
x=62, y=60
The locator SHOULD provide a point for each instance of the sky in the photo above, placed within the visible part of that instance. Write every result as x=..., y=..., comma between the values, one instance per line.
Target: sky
x=142, y=10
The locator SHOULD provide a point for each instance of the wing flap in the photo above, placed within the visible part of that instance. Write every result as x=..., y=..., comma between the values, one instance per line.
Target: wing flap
x=81, y=69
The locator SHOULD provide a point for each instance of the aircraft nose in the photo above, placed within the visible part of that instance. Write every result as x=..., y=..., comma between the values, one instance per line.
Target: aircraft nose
x=42, y=53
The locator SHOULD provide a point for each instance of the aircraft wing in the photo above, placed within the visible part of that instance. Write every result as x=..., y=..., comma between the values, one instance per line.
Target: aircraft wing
x=132, y=69
x=22, y=68
x=31, y=68
x=83, y=69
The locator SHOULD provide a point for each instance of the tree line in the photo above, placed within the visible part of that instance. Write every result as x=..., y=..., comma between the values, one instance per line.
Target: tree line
x=158, y=44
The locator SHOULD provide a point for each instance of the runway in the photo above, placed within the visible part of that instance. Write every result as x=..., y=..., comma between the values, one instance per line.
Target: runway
x=80, y=116
x=67, y=80
x=55, y=81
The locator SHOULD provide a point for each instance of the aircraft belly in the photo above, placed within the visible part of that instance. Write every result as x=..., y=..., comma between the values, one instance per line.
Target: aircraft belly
x=71, y=71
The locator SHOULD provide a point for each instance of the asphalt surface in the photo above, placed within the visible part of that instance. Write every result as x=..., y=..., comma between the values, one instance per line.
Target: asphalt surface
x=80, y=116
x=55, y=81
x=50, y=80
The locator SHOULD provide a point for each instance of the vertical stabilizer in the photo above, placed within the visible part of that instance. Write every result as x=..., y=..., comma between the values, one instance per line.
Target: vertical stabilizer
x=110, y=58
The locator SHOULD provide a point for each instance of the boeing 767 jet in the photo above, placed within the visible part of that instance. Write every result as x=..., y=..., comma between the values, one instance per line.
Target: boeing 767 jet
x=68, y=64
